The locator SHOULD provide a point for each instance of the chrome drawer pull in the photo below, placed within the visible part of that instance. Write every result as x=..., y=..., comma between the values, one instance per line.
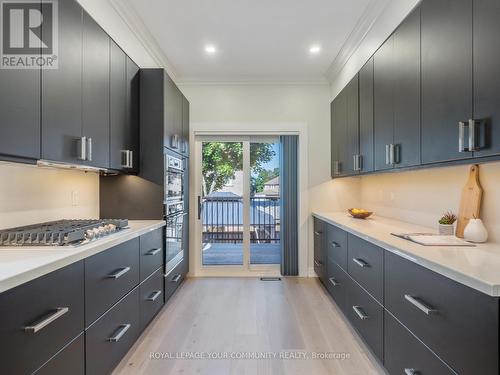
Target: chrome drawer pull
x=334, y=282
x=360, y=313
x=39, y=325
x=360, y=262
x=176, y=278
x=318, y=233
x=123, y=329
x=411, y=371
x=317, y=263
x=118, y=274
x=420, y=305
x=335, y=244
x=154, y=296
x=154, y=251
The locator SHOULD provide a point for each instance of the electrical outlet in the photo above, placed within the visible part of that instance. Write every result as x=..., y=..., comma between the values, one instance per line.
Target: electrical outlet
x=75, y=199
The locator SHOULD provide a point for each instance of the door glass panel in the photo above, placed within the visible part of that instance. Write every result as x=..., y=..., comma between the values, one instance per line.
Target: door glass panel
x=264, y=213
x=222, y=203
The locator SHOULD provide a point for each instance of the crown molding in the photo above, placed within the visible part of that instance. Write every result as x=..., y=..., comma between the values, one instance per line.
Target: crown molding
x=257, y=82
x=143, y=35
x=357, y=35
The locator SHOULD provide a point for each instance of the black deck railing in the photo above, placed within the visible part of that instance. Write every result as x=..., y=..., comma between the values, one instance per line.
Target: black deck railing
x=223, y=219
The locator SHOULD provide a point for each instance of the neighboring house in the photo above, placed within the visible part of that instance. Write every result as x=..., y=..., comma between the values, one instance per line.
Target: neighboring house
x=271, y=188
x=235, y=185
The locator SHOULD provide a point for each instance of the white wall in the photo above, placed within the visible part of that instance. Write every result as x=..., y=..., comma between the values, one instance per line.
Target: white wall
x=302, y=108
x=29, y=194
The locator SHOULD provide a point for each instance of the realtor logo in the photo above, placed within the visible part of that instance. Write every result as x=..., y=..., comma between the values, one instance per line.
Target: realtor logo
x=29, y=34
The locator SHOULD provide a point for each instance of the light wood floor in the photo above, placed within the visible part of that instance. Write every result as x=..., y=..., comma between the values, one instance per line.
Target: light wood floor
x=242, y=315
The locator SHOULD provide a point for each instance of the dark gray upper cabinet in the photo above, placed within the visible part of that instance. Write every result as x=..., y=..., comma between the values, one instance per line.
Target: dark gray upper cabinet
x=397, y=97
x=446, y=76
x=20, y=113
x=383, y=103
x=118, y=108
x=62, y=91
x=366, y=117
x=173, y=115
x=407, y=91
x=345, y=130
x=185, y=126
x=132, y=123
x=95, y=94
x=487, y=76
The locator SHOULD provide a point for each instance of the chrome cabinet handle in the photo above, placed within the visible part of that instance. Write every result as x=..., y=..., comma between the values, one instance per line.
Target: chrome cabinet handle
x=391, y=154
x=119, y=273
x=336, y=167
x=334, y=282
x=119, y=334
x=125, y=158
x=318, y=233
x=387, y=157
x=360, y=313
x=360, y=262
x=472, y=135
x=89, y=149
x=396, y=152
x=131, y=159
x=317, y=263
x=39, y=325
x=411, y=371
x=461, y=137
x=154, y=251
x=154, y=296
x=82, y=146
x=335, y=244
x=174, y=143
x=176, y=278
x=420, y=305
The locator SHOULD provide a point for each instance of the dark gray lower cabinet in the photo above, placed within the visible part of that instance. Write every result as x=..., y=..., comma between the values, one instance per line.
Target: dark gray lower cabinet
x=151, y=297
x=337, y=246
x=338, y=284
x=151, y=249
x=320, y=249
x=109, y=276
x=404, y=353
x=70, y=360
x=458, y=323
x=25, y=343
x=367, y=316
x=110, y=337
x=173, y=279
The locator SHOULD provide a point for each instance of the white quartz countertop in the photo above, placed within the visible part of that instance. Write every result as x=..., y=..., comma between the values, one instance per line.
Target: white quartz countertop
x=22, y=264
x=477, y=267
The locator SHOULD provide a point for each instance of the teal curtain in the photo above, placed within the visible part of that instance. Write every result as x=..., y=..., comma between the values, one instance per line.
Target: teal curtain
x=289, y=210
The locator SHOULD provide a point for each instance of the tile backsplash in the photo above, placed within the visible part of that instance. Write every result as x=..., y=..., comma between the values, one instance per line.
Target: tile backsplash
x=30, y=194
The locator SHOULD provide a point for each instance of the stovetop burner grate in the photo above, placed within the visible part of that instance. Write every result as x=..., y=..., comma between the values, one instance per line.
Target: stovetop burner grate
x=61, y=232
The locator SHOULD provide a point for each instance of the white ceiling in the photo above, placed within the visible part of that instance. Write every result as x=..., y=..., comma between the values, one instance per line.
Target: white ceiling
x=257, y=40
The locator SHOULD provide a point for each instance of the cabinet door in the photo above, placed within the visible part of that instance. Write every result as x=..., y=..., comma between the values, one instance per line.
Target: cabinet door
x=352, y=129
x=406, y=71
x=20, y=113
x=487, y=75
x=132, y=121
x=334, y=148
x=95, y=94
x=118, y=107
x=383, y=68
x=446, y=77
x=173, y=115
x=319, y=249
x=339, y=135
x=185, y=126
x=366, y=116
x=62, y=90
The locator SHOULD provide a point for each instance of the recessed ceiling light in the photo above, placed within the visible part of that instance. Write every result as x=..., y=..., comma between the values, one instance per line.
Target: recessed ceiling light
x=315, y=49
x=210, y=49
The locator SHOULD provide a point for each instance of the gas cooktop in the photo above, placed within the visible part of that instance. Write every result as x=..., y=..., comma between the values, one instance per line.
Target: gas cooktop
x=61, y=232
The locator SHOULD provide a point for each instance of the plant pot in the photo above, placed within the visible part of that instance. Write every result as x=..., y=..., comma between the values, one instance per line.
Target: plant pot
x=446, y=229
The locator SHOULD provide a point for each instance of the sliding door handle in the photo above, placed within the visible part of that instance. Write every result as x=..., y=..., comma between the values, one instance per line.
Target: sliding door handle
x=199, y=207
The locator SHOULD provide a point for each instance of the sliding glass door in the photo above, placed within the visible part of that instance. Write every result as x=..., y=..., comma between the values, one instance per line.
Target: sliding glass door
x=239, y=202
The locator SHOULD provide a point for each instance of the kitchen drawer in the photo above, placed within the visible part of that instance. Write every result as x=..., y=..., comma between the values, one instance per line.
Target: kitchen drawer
x=56, y=299
x=173, y=279
x=110, y=337
x=338, y=284
x=109, y=276
x=337, y=246
x=152, y=252
x=403, y=353
x=367, y=316
x=70, y=360
x=456, y=322
x=366, y=266
x=151, y=292
x=319, y=249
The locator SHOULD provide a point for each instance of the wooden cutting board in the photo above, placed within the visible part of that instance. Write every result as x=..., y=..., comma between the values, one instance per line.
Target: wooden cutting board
x=470, y=203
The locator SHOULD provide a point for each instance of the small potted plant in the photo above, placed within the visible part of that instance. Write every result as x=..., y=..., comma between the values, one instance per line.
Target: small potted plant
x=446, y=224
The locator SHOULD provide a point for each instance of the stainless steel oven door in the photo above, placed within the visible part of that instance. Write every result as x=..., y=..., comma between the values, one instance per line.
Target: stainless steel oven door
x=174, y=245
x=174, y=176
